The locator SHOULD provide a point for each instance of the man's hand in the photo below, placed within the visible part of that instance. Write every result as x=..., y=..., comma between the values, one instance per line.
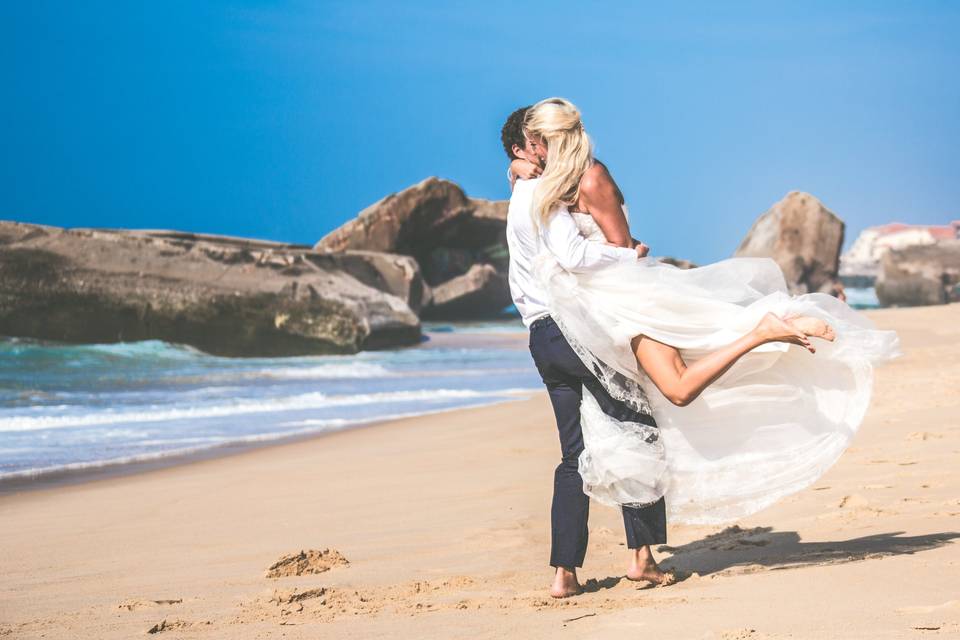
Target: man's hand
x=642, y=249
x=524, y=169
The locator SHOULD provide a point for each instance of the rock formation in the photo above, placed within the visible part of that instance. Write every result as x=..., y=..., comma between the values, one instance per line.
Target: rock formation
x=447, y=234
x=388, y=272
x=860, y=265
x=227, y=296
x=681, y=263
x=920, y=275
x=803, y=237
x=474, y=294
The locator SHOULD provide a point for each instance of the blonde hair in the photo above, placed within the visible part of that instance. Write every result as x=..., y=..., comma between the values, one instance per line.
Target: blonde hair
x=569, y=154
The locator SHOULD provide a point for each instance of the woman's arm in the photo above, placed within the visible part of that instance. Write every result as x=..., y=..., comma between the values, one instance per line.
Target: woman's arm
x=682, y=384
x=573, y=252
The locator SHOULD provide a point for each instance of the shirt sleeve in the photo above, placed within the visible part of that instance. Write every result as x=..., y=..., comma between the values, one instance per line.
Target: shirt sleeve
x=574, y=252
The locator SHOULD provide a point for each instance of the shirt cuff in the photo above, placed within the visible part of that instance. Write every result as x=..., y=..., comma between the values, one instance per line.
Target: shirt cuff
x=626, y=255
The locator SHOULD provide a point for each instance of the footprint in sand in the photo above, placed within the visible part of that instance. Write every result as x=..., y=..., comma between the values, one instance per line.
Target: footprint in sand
x=131, y=605
x=855, y=505
x=310, y=561
x=328, y=603
x=854, y=501
x=949, y=605
x=924, y=435
x=950, y=512
x=175, y=625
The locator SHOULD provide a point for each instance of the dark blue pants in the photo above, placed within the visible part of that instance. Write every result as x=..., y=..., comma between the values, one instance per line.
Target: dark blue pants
x=565, y=375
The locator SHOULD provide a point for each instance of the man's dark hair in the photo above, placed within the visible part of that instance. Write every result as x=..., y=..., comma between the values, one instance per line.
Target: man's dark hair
x=512, y=132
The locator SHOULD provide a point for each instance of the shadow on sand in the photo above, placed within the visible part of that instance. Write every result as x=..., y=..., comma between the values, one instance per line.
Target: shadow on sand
x=735, y=550
x=762, y=548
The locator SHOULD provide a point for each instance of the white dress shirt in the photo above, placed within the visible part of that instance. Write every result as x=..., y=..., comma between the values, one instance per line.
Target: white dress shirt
x=561, y=237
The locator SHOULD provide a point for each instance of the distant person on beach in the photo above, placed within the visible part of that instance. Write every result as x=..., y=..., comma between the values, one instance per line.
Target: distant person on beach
x=671, y=387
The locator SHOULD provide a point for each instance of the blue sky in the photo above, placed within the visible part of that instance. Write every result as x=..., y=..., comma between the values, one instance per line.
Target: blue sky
x=283, y=120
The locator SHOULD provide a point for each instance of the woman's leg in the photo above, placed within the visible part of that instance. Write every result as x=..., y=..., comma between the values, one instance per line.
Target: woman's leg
x=681, y=383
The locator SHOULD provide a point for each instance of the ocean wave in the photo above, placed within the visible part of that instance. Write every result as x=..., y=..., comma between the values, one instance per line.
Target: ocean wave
x=36, y=472
x=323, y=372
x=310, y=427
x=24, y=347
x=304, y=401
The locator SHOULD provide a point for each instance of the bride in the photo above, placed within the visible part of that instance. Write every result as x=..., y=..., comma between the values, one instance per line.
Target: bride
x=743, y=421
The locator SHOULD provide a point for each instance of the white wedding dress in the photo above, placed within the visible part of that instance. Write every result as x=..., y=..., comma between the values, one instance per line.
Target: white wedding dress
x=770, y=426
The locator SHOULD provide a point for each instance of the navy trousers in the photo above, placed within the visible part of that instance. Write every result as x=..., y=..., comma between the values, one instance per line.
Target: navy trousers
x=565, y=375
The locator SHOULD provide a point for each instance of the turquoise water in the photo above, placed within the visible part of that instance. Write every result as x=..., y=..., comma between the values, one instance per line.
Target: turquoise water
x=65, y=407
x=862, y=297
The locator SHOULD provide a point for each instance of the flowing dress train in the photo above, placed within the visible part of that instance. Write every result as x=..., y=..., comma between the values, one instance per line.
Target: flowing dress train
x=769, y=426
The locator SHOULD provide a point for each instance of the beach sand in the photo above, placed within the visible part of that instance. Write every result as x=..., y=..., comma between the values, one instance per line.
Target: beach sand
x=438, y=527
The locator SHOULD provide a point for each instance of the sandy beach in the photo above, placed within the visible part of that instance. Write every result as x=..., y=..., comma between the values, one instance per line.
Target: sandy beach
x=438, y=527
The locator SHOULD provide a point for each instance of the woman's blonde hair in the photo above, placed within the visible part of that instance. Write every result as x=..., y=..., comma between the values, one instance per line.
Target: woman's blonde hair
x=569, y=154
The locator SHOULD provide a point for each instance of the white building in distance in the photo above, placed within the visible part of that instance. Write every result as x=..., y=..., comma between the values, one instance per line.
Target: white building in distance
x=863, y=259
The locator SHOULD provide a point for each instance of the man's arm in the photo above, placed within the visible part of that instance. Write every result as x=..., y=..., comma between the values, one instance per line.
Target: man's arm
x=574, y=252
x=601, y=198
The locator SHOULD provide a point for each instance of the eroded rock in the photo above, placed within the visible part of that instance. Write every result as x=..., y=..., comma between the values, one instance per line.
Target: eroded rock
x=803, y=237
x=436, y=224
x=920, y=275
x=227, y=296
x=478, y=293
x=393, y=273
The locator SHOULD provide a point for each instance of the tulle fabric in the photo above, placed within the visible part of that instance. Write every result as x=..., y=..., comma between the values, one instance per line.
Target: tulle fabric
x=770, y=426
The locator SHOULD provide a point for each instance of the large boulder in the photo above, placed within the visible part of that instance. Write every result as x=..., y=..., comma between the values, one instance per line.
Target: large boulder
x=420, y=219
x=226, y=296
x=390, y=272
x=446, y=232
x=477, y=293
x=402, y=222
x=920, y=275
x=803, y=237
x=492, y=212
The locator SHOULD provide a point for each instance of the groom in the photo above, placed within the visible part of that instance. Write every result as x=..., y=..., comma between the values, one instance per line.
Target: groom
x=564, y=374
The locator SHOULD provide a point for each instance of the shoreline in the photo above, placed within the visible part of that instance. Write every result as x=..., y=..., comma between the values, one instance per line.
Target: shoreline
x=108, y=470
x=480, y=336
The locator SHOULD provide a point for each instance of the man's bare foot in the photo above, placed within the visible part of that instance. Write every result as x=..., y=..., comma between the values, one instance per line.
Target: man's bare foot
x=651, y=573
x=812, y=327
x=565, y=584
x=644, y=567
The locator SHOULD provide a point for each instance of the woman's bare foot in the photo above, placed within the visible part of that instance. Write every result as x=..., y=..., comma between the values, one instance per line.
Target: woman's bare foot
x=773, y=328
x=812, y=327
x=565, y=584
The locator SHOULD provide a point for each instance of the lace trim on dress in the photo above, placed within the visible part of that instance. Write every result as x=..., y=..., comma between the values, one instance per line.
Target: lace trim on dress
x=622, y=463
x=622, y=388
